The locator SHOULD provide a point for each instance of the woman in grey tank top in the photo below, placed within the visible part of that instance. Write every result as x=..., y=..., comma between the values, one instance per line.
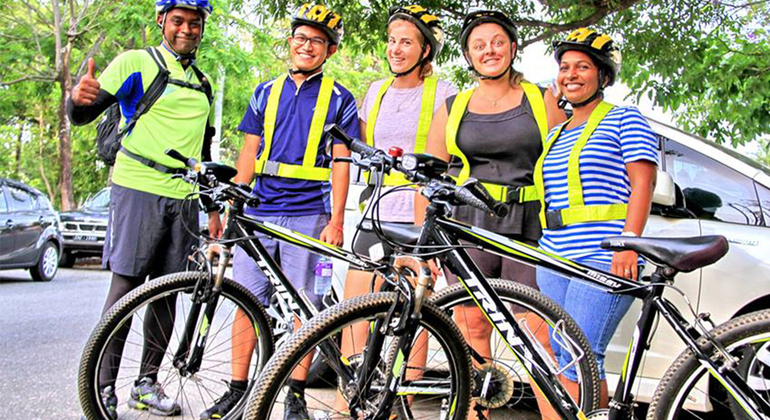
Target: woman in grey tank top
x=500, y=127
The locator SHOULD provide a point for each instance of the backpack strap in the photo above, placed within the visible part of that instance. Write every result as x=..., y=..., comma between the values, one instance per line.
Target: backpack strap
x=154, y=91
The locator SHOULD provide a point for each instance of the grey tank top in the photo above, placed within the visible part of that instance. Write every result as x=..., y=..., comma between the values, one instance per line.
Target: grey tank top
x=503, y=149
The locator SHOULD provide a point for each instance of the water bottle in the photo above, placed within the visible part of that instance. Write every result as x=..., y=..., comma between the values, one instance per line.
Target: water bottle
x=323, y=276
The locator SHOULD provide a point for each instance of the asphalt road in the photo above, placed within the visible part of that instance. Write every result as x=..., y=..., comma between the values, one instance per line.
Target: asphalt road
x=43, y=328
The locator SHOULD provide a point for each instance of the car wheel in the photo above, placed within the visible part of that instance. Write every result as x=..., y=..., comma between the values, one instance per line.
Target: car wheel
x=67, y=260
x=47, y=265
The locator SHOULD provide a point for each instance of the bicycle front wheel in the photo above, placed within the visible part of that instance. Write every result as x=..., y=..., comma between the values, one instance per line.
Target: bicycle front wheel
x=446, y=353
x=140, y=334
x=509, y=385
x=686, y=390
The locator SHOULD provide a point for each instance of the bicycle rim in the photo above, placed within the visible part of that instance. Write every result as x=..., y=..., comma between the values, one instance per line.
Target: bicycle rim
x=446, y=355
x=503, y=386
x=194, y=392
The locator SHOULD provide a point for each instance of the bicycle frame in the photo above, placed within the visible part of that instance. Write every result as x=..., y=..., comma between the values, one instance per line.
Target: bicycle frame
x=443, y=232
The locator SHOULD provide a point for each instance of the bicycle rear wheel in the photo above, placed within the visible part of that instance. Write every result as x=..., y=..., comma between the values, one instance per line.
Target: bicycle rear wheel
x=114, y=357
x=447, y=354
x=687, y=390
x=509, y=387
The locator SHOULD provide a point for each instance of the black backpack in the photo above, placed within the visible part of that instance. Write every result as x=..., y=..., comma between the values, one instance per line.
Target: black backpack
x=109, y=136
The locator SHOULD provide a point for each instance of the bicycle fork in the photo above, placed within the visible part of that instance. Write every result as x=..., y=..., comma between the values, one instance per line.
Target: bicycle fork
x=196, y=330
x=406, y=327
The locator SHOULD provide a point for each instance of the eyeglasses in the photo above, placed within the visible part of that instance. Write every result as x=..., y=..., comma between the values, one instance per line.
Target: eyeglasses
x=300, y=40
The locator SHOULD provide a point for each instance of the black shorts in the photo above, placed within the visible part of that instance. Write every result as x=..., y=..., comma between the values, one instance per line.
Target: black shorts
x=146, y=233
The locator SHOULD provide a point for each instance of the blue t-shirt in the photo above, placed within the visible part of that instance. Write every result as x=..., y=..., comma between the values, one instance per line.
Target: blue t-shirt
x=296, y=197
x=623, y=136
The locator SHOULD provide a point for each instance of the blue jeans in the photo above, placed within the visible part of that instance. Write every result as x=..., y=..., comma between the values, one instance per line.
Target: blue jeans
x=597, y=312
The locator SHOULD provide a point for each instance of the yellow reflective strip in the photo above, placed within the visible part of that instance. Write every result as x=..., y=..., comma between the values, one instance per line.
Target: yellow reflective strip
x=574, y=185
x=204, y=326
x=528, y=193
x=345, y=360
x=395, y=179
x=453, y=125
x=538, y=173
x=271, y=113
x=302, y=172
x=426, y=113
x=318, y=122
x=625, y=363
x=498, y=192
x=594, y=213
x=537, y=103
x=399, y=363
x=372, y=117
x=599, y=42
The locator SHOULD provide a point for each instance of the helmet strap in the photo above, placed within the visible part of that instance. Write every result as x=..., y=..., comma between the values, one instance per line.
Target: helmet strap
x=306, y=72
x=486, y=77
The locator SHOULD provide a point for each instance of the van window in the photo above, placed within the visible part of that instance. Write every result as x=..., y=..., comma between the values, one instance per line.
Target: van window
x=764, y=202
x=711, y=190
x=20, y=200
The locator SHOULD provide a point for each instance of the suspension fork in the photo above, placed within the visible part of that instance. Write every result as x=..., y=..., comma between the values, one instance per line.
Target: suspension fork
x=206, y=293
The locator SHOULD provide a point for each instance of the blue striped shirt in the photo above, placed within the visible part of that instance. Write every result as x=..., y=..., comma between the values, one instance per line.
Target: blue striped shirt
x=623, y=136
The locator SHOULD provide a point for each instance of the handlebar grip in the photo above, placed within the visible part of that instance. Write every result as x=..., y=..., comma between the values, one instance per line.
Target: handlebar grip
x=469, y=194
x=353, y=144
x=189, y=162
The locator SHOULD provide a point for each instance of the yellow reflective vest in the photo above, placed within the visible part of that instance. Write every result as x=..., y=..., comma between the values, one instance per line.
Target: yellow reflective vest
x=577, y=211
x=498, y=192
x=423, y=126
x=308, y=170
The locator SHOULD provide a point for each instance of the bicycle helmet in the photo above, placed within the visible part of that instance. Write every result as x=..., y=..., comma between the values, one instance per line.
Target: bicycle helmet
x=428, y=24
x=598, y=46
x=476, y=18
x=319, y=16
x=202, y=6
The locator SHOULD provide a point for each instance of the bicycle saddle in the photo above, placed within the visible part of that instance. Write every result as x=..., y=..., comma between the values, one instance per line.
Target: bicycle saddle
x=402, y=233
x=681, y=254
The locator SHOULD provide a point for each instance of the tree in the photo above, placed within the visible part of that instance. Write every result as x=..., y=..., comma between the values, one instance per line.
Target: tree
x=705, y=60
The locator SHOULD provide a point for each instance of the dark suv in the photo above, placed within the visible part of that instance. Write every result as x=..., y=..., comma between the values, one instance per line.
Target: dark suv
x=29, y=231
x=83, y=230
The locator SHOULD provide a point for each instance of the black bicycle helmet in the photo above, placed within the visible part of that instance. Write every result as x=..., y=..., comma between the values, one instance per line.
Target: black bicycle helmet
x=599, y=47
x=319, y=16
x=476, y=18
x=428, y=24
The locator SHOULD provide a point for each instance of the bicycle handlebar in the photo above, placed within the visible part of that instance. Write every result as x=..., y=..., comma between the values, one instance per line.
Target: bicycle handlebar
x=422, y=169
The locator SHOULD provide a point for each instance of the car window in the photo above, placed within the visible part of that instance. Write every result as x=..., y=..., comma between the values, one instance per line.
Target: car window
x=43, y=203
x=3, y=203
x=19, y=200
x=764, y=202
x=101, y=201
x=712, y=190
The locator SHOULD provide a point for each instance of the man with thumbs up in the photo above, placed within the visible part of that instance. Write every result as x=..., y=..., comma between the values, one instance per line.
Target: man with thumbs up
x=148, y=221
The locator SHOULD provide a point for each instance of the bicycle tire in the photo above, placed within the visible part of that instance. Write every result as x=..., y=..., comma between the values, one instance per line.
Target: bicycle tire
x=545, y=309
x=264, y=402
x=208, y=383
x=686, y=375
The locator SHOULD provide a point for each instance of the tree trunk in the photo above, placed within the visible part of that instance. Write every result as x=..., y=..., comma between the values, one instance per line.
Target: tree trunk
x=63, y=57
x=65, y=146
x=17, y=164
x=41, y=158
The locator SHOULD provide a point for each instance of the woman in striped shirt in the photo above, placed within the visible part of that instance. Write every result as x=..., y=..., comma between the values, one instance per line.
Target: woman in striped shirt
x=596, y=178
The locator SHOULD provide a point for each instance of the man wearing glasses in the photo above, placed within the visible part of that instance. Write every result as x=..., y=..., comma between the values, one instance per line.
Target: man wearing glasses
x=286, y=151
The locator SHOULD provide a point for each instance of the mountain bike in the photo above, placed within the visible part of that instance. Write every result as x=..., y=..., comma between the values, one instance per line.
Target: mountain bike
x=722, y=367
x=202, y=305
